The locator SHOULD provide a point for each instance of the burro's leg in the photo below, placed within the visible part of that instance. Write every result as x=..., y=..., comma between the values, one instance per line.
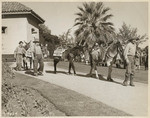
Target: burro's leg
x=91, y=69
x=96, y=73
x=95, y=68
x=30, y=58
x=73, y=67
x=69, y=70
x=109, y=70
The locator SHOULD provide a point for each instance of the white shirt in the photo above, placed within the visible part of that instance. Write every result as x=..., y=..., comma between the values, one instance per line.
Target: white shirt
x=130, y=49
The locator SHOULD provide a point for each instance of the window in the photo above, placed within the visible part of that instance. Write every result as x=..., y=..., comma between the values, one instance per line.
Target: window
x=33, y=31
x=4, y=29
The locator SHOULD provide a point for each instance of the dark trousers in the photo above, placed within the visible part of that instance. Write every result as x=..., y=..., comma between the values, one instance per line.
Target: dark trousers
x=71, y=65
x=25, y=63
x=30, y=60
x=38, y=59
x=56, y=60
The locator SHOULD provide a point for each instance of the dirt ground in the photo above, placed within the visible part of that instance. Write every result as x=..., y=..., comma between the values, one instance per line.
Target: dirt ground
x=19, y=100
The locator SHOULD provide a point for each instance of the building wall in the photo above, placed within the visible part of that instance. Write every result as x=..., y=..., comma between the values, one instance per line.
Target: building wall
x=19, y=28
x=16, y=31
x=32, y=24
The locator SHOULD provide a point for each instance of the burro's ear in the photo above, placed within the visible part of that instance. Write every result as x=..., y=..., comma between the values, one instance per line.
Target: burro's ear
x=25, y=42
x=29, y=42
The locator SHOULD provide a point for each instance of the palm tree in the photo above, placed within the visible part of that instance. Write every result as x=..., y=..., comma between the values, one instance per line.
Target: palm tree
x=93, y=25
x=127, y=32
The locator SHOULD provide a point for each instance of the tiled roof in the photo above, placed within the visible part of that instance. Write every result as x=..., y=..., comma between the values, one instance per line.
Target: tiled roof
x=16, y=7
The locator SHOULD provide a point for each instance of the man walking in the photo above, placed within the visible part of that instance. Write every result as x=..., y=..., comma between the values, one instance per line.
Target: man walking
x=38, y=59
x=18, y=54
x=129, y=54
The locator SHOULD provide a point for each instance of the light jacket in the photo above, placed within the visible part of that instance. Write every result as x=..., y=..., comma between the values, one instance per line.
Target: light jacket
x=19, y=50
x=130, y=50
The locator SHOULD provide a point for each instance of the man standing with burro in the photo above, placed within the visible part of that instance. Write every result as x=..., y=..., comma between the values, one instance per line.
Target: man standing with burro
x=38, y=58
x=129, y=54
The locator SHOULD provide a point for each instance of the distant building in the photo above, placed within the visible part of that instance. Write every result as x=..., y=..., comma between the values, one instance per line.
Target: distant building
x=19, y=23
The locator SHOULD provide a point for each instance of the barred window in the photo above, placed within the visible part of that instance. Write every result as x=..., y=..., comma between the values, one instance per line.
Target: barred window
x=4, y=29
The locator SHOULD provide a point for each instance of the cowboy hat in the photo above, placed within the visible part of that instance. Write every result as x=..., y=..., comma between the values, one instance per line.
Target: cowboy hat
x=36, y=42
x=20, y=42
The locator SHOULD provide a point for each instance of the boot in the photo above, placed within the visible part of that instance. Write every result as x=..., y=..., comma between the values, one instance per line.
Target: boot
x=131, y=80
x=110, y=79
x=125, y=83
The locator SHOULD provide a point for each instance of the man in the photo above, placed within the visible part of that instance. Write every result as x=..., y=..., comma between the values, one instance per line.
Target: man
x=38, y=59
x=71, y=57
x=129, y=54
x=18, y=54
x=29, y=56
x=56, y=60
x=94, y=53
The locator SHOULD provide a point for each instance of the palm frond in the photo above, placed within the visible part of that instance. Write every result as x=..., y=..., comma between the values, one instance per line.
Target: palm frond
x=81, y=9
x=79, y=14
x=105, y=10
x=99, y=5
x=78, y=23
x=107, y=23
x=107, y=17
x=78, y=19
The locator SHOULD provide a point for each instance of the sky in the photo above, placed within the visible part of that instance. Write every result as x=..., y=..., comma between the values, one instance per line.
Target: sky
x=60, y=16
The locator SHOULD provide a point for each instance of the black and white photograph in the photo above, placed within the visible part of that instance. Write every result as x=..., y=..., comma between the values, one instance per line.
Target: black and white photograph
x=74, y=58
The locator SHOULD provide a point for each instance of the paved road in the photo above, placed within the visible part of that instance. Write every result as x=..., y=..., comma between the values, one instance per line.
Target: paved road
x=132, y=100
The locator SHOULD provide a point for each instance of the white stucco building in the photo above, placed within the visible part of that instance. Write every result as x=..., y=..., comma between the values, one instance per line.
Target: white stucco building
x=19, y=23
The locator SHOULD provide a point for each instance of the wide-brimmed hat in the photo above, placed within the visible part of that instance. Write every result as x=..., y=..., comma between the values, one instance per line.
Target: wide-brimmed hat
x=20, y=42
x=36, y=42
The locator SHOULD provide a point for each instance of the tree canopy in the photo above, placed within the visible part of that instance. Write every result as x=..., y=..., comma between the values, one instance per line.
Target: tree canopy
x=93, y=24
x=126, y=32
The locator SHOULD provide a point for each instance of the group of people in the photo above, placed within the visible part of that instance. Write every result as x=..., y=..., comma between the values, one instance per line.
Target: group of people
x=34, y=53
x=37, y=56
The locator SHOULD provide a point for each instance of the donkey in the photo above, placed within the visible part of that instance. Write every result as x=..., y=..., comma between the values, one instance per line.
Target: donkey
x=28, y=55
x=109, y=56
x=71, y=54
x=96, y=54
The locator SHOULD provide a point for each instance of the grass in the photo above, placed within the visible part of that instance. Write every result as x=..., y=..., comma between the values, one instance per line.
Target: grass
x=140, y=75
x=69, y=102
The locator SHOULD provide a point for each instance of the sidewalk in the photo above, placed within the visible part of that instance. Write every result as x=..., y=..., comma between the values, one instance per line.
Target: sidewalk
x=132, y=100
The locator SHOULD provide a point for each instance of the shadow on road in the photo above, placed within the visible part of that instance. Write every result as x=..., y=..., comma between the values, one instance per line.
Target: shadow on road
x=29, y=72
x=82, y=75
x=100, y=78
x=52, y=72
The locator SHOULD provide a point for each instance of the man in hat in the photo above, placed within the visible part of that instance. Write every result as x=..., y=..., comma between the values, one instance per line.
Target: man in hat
x=129, y=54
x=38, y=59
x=94, y=58
x=18, y=54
